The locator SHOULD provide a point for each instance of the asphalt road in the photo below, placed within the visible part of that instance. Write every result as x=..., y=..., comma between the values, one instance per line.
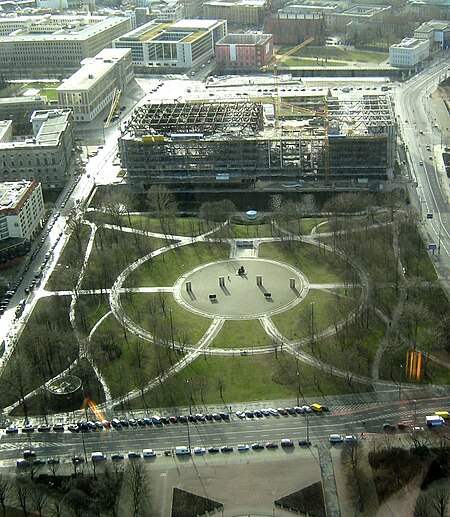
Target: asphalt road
x=367, y=419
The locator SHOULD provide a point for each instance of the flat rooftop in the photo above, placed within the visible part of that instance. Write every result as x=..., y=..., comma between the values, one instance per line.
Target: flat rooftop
x=11, y=192
x=93, y=69
x=408, y=43
x=244, y=39
x=55, y=28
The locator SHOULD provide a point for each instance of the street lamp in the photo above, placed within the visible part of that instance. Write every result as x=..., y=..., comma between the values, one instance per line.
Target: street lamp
x=312, y=321
x=190, y=413
x=298, y=386
x=400, y=383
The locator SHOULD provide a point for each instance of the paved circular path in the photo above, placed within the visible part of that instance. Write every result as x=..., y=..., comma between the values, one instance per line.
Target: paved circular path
x=241, y=298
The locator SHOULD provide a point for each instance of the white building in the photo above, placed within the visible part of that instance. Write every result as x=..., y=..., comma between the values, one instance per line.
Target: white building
x=181, y=45
x=21, y=209
x=55, y=44
x=436, y=32
x=409, y=52
x=46, y=156
x=88, y=91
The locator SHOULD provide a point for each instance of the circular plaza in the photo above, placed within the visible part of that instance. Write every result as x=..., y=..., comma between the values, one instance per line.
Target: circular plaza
x=241, y=288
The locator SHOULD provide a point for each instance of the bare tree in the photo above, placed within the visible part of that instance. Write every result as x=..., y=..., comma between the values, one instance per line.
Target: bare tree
x=137, y=479
x=5, y=491
x=438, y=499
x=40, y=498
x=22, y=491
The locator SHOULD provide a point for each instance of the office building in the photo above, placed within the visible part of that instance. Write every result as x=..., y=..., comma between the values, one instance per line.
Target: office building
x=54, y=44
x=245, y=51
x=242, y=12
x=93, y=87
x=409, y=52
x=179, y=45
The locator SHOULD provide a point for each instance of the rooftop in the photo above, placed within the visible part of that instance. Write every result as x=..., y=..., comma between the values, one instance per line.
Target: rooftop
x=408, y=43
x=11, y=192
x=244, y=39
x=93, y=69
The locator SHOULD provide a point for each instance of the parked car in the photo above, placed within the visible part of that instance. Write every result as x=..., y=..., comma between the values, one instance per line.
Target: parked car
x=115, y=456
x=257, y=446
x=134, y=454
x=77, y=459
x=213, y=450
x=304, y=443
x=53, y=461
x=149, y=453
x=335, y=438
x=226, y=448
x=199, y=450
x=272, y=445
x=242, y=447
x=388, y=427
x=287, y=442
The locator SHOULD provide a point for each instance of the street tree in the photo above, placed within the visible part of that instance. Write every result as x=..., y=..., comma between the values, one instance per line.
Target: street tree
x=138, y=484
x=5, y=491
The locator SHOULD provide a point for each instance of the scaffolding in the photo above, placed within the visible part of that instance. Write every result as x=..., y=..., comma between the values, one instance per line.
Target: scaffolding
x=203, y=142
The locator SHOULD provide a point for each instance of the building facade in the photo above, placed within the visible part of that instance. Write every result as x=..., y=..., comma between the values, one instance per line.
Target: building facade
x=46, y=156
x=92, y=88
x=293, y=28
x=21, y=209
x=178, y=45
x=436, y=32
x=245, y=51
x=243, y=12
x=409, y=52
x=55, y=44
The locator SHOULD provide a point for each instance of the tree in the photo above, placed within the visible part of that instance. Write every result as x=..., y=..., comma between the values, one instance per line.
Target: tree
x=217, y=211
x=22, y=491
x=137, y=480
x=438, y=500
x=40, y=498
x=161, y=202
x=5, y=491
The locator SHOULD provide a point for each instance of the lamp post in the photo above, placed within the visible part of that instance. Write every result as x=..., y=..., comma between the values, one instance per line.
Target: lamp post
x=190, y=413
x=312, y=320
x=400, y=383
x=171, y=328
x=298, y=386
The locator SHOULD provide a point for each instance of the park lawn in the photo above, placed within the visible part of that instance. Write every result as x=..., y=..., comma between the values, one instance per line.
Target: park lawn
x=312, y=62
x=45, y=348
x=241, y=335
x=319, y=267
x=244, y=231
x=306, y=225
x=67, y=271
x=188, y=226
x=164, y=269
x=89, y=309
x=245, y=378
x=126, y=361
x=339, y=53
x=112, y=252
x=188, y=328
x=309, y=223
x=415, y=258
x=353, y=349
x=295, y=323
x=50, y=93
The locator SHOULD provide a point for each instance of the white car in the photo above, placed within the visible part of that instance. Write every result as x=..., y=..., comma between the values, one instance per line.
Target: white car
x=199, y=450
x=242, y=447
x=336, y=438
x=349, y=438
x=307, y=409
x=149, y=453
x=272, y=411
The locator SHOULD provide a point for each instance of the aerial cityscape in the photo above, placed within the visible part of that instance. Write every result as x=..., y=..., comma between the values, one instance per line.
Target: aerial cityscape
x=225, y=258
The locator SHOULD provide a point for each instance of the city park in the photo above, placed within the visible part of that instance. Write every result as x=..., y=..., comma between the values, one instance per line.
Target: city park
x=161, y=313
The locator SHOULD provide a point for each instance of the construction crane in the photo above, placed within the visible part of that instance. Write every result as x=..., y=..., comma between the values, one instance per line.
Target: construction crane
x=114, y=105
x=275, y=69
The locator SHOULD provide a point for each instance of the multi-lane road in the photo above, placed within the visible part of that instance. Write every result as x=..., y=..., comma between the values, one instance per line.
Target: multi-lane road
x=363, y=418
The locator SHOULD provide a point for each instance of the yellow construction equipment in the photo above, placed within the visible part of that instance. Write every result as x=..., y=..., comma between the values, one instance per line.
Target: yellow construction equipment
x=114, y=106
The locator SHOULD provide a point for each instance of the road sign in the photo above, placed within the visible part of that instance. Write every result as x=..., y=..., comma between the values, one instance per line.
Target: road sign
x=432, y=247
x=429, y=216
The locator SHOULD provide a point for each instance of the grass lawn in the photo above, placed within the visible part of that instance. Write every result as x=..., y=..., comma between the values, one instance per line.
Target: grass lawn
x=338, y=53
x=415, y=258
x=244, y=231
x=45, y=348
x=190, y=226
x=150, y=309
x=67, y=271
x=164, y=269
x=242, y=335
x=295, y=323
x=126, y=361
x=50, y=93
x=309, y=223
x=323, y=267
x=112, y=252
x=352, y=349
x=244, y=378
x=89, y=309
x=312, y=61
